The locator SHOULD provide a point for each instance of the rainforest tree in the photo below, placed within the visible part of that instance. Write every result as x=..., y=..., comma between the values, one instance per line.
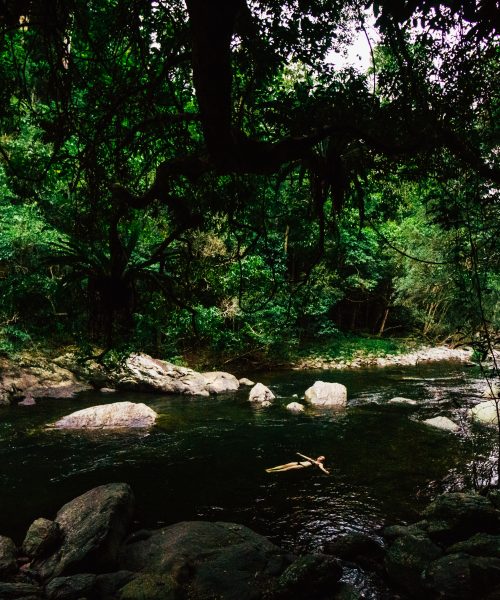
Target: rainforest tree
x=206, y=167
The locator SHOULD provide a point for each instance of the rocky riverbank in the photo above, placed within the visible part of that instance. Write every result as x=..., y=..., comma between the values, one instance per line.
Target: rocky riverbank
x=33, y=376
x=37, y=376
x=89, y=552
x=415, y=357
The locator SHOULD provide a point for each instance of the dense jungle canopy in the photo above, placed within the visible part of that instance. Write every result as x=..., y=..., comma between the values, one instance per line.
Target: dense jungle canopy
x=177, y=175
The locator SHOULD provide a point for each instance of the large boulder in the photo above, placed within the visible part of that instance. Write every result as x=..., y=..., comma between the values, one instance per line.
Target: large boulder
x=141, y=372
x=93, y=527
x=323, y=393
x=8, y=552
x=219, y=382
x=261, y=393
x=486, y=412
x=130, y=415
x=211, y=560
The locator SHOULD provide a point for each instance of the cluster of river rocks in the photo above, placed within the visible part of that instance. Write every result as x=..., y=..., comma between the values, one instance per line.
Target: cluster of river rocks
x=64, y=376
x=88, y=552
x=35, y=376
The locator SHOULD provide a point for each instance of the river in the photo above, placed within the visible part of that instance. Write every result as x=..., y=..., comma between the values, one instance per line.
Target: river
x=207, y=460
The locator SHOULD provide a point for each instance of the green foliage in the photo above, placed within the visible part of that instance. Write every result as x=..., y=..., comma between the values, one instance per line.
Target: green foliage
x=386, y=222
x=346, y=347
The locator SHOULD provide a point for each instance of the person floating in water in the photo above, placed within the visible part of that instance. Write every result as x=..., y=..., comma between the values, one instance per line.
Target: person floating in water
x=309, y=462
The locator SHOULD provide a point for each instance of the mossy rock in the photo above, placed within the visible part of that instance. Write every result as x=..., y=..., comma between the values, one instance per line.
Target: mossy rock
x=310, y=576
x=150, y=587
x=407, y=559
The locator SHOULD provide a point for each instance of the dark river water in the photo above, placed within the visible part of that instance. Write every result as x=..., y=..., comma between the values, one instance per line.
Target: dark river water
x=208, y=458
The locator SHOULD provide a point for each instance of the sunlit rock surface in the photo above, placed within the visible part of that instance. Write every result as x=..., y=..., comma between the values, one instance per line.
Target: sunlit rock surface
x=486, y=412
x=261, y=393
x=129, y=415
x=323, y=393
x=219, y=382
x=442, y=423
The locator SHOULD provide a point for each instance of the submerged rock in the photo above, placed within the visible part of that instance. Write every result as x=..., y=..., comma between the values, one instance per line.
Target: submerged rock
x=323, y=393
x=219, y=382
x=492, y=391
x=28, y=400
x=93, y=527
x=401, y=400
x=261, y=393
x=442, y=423
x=356, y=547
x=486, y=412
x=295, y=407
x=245, y=381
x=129, y=415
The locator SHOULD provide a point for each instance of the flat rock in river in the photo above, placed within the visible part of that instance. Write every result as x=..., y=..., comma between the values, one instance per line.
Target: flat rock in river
x=442, y=423
x=401, y=400
x=129, y=415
